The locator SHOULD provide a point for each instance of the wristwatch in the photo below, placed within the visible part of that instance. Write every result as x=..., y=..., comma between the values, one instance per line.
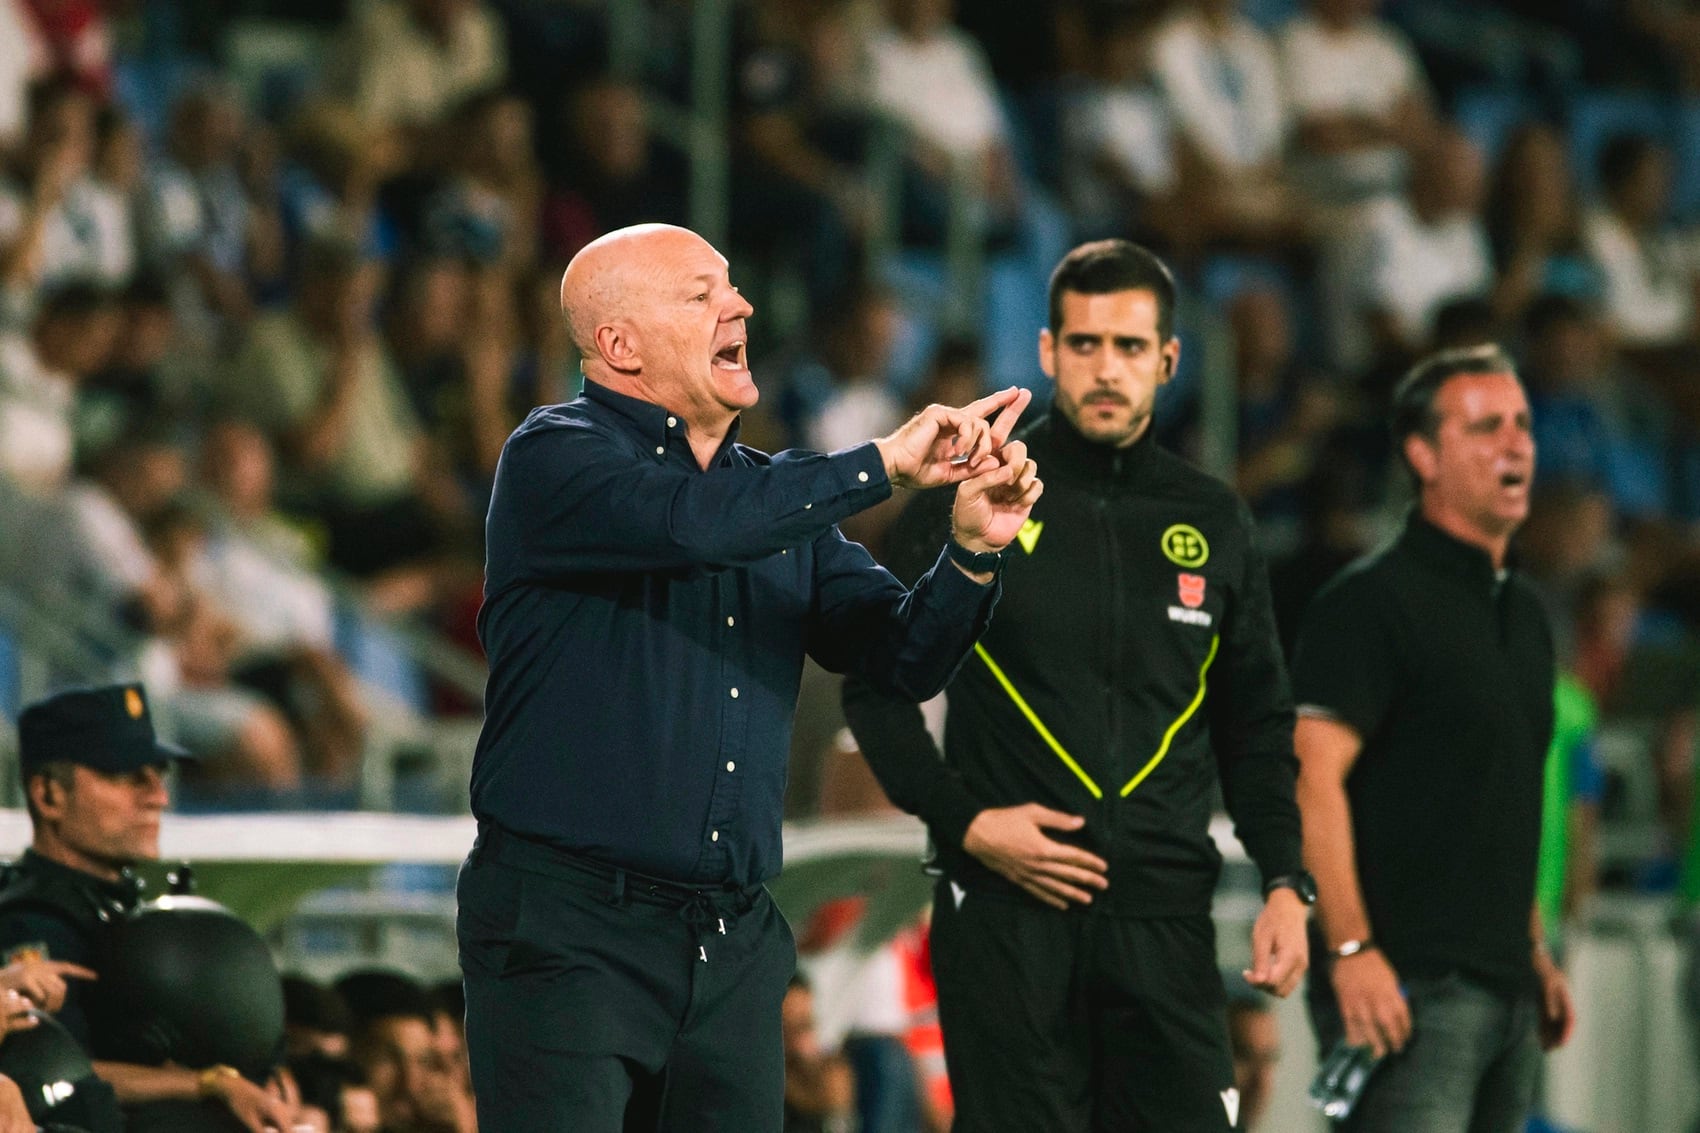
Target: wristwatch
x=974, y=562
x=209, y=1083
x=1301, y=883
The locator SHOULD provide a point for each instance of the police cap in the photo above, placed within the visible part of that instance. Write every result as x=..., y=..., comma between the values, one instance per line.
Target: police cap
x=108, y=729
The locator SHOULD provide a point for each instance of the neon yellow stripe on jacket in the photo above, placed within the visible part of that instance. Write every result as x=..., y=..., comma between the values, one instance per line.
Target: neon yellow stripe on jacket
x=1169, y=736
x=1038, y=724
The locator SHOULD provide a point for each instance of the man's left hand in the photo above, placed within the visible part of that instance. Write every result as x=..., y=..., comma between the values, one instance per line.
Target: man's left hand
x=1280, y=953
x=991, y=507
x=1558, y=1010
x=941, y=445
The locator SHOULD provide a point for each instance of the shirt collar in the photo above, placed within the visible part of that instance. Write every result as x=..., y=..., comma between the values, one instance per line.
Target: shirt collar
x=126, y=889
x=654, y=423
x=1446, y=552
x=1070, y=449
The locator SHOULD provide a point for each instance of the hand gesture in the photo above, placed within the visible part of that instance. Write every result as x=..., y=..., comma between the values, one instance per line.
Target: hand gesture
x=16, y=1013
x=1279, y=951
x=1371, y=1004
x=42, y=981
x=1012, y=841
x=941, y=445
x=991, y=507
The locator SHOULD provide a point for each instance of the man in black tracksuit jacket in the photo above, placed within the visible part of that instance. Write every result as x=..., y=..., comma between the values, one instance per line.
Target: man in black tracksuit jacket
x=1133, y=664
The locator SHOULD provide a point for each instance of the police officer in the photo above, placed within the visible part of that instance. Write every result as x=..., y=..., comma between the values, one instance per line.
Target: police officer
x=94, y=784
x=1133, y=665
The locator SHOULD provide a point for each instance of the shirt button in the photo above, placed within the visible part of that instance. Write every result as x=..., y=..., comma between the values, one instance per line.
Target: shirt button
x=714, y=837
x=862, y=476
x=731, y=766
x=734, y=694
x=671, y=421
x=807, y=507
x=660, y=450
x=731, y=621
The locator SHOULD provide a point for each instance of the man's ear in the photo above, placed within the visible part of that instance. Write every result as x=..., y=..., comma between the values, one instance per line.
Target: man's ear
x=1421, y=455
x=1048, y=353
x=1171, y=360
x=46, y=796
x=617, y=343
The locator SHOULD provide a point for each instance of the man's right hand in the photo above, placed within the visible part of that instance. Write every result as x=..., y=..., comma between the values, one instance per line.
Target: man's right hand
x=1371, y=1004
x=257, y=1108
x=1011, y=841
x=42, y=982
x=941, y=445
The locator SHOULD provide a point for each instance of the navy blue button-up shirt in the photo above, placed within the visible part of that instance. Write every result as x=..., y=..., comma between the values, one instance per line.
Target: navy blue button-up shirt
x=646, y=621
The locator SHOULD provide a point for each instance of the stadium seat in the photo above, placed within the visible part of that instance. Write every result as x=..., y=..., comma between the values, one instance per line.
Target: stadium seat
x=1597, y=116
x=1489, y=114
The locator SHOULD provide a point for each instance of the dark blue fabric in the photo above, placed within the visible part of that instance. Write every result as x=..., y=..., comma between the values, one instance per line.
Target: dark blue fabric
x=646, y=622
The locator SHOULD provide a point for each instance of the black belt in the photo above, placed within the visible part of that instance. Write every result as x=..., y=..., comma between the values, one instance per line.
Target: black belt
x=498, y=844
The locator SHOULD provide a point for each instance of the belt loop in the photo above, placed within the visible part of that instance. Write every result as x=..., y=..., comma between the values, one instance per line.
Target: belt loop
x=618, y=896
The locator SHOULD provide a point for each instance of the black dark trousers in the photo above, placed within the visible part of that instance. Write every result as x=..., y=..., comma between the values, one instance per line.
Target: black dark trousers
x=598, y=1001
x=1067, y=1022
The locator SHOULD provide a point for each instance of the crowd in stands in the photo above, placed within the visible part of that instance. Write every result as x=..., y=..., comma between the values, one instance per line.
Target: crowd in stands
x=262, y=335
x=378, y=1052
x=261, y=340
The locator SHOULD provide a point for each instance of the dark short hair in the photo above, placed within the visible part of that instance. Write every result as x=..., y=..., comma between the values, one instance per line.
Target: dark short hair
x=322, y=1080
x=1104, y=267
x=1413, y=409
x=75, y=299
x=374, y=994
x=60, y=771
x=1622, y=156
x=1554, y=309
x=308, y=1003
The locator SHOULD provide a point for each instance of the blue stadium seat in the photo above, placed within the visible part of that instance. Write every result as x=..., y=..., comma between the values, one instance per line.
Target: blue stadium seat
x=1489, y=114
x=145, y=88
x=379, y=655
x=10, y=689
x=1685, y=198
x=1597, y=116
x=1270, y=14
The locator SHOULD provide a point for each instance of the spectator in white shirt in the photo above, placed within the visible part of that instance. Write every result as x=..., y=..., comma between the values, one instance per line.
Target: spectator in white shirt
x=23, y=59
x=934, y=80
x=405, y=63
x=71, y=337
x=1359, y=101
x=57, y=221
x=1408, y=256
x=1649, y=281
x=1221, y=77
x=1120, y=154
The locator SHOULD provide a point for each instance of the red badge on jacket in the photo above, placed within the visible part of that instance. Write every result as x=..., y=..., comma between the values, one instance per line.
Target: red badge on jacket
x=1192, y=590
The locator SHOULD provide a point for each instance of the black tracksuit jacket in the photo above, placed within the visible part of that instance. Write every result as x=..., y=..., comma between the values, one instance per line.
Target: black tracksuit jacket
x=1132, y=662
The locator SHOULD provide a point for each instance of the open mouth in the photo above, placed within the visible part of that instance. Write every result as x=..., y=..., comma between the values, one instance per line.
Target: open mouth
x=730, y=356
x=1513, y=480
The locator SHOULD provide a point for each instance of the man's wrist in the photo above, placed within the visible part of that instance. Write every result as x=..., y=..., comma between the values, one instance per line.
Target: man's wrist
x=1353, y=946
x=884, y=446
x=974, y=560
x=214, y=1081
x=1298, y=882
